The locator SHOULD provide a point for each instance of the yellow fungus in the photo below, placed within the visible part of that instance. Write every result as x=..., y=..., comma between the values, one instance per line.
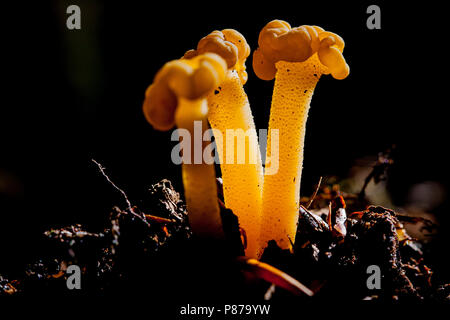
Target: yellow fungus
x=279, y=42
x=178, y=97
x=229, y=109
x=296, y=57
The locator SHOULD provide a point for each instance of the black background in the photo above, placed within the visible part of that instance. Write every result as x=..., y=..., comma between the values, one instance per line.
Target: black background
x=91, y=82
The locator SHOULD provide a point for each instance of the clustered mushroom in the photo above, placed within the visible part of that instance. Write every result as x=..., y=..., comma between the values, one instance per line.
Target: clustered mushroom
x=296, y=58
x=178, y=97
x=230, y=114
x=208, y=83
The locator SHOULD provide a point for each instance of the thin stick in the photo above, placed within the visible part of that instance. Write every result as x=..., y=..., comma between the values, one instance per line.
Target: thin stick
x=158, y=219
x=329, y=216
x=366, y=182
x=314, y=194
x=102, y=170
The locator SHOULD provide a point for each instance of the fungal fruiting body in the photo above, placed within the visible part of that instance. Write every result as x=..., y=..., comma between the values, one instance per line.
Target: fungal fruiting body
x=243, y=182
x=296, y=57
x=178, y=97
x=230, y=117
x=289, y=112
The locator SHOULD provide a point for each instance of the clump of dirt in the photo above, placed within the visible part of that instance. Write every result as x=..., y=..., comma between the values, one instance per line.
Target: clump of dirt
x=339, y=264
x=151, y=248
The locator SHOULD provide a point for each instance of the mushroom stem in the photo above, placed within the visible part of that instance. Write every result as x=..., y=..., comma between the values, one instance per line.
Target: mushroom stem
x=177, y=96
x=296, y=58
x=199, y=179
x=293, y=90
x=229, y=109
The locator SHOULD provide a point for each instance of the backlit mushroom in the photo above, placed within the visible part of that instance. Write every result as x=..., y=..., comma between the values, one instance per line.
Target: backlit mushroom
x=229, y=109
x=296, y=58
x=178, y=97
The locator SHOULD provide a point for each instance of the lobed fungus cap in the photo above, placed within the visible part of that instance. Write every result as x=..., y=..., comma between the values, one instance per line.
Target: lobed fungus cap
x=230, y=45
x=190, y=79
x=279, y=42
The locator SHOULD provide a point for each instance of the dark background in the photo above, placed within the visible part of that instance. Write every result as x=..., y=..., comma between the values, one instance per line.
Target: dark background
x=90, y=86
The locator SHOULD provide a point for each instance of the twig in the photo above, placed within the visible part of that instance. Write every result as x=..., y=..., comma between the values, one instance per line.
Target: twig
x=131, y=209
x=378, y=170
x=362, y=193
x=102, y=170
x=314, y=194
x=158, y=219
x=329, y=216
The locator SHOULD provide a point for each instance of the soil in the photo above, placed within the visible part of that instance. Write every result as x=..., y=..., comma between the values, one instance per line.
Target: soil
x=151, y=248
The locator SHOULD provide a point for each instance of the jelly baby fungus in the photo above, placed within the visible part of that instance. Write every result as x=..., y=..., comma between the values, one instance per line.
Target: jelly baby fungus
x=231, y=118
x=296, y=58
x=178, y=97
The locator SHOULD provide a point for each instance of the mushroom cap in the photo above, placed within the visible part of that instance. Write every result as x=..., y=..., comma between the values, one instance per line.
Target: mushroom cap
x=278, y=41
x=230, y=45
x=190, y=79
